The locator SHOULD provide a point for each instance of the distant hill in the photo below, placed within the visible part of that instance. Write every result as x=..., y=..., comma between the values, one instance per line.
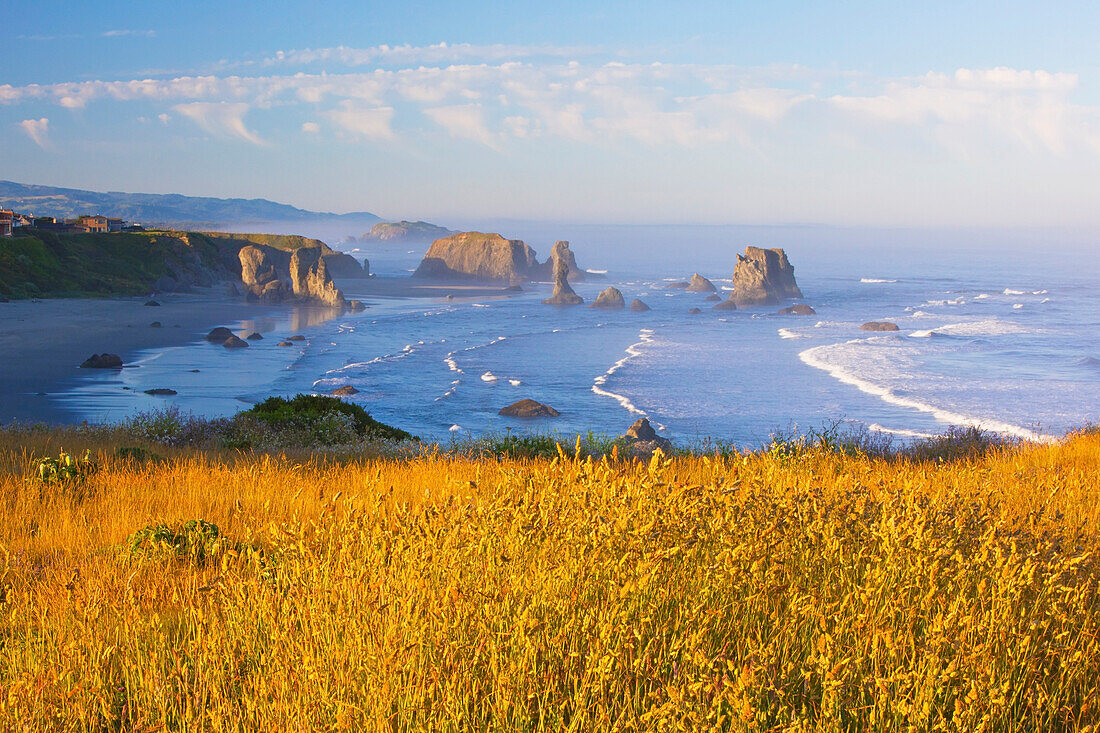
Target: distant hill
x=162, y=209
x=406, y=231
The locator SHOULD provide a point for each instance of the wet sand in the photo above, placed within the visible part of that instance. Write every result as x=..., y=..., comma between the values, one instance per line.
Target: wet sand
x=43, y=342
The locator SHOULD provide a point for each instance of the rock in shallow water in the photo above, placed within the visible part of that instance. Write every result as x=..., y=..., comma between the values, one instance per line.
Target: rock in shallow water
x=102, y=361
x=528, y=408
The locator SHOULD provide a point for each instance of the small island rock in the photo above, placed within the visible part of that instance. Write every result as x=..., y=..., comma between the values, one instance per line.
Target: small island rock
x=161, y=392
x=638, y=306
x=254, y=336
x=344, y=391
x=700, y=284
x=102, y=361
x=610, y=299
x=235, y=342
x=218, y=335
x=879, y=326
x=797, y=310
x=528, y=408
x=563, y=291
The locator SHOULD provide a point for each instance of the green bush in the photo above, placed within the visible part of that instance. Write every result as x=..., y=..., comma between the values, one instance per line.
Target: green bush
x=196, y=540
x=64, y=469
x=324, y=420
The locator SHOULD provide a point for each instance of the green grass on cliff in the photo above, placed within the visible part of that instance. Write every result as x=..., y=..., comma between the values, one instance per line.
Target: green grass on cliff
x=288, y=242
x=45, y=264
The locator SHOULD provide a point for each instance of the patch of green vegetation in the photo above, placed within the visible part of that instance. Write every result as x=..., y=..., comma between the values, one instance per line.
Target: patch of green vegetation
x=288, y=242
x=47, y=264
x=195, y=540
x=64, y=469
x=326, y=420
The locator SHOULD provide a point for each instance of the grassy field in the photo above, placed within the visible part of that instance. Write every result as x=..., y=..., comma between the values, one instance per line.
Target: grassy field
x=807, y=590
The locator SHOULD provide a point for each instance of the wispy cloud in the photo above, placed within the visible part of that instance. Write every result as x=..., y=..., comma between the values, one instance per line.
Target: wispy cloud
x=220, y=119
x=38, y=130
x=466, y=121
x=438, y=53
x=372, y=123
x=127, y=32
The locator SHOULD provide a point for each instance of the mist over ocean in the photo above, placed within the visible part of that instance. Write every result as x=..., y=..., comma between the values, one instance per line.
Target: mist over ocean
x=996, y=329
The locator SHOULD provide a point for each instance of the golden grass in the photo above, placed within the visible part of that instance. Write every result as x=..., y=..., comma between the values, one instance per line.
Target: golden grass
x=817, y=593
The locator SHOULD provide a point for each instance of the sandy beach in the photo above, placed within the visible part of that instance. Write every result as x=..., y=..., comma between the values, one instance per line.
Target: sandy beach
x=45, y=341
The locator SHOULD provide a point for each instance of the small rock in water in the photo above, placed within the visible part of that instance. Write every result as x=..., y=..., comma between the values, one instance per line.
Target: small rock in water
x=879, y=326
x=694, y=311
x=713, y=298
x=152, y=303
x=638, y=306
x=154, y=324
x=219, y=335
x=347, y=389
x=297, y=337
x=797, y=310
x=102, y=361
x=235, y=342
x=159, y=391
x=254, y=336
x=284, y=343
x=528, y=408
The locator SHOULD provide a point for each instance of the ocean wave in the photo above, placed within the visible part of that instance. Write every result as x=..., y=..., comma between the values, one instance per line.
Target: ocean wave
x=1017, y=306
x=899, y=431
x=786, y=333
x=814, y=357
x=875, y=280
x=1010, y=291
x=991, y=327
x=1089, y=362
x=514, y=382
x=596, y=272
x=939, y=303
x=489, y=377
x=645, y=336
x=981, y=296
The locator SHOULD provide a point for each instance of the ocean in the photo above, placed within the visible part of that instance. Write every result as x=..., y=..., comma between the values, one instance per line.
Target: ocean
x=997, y=329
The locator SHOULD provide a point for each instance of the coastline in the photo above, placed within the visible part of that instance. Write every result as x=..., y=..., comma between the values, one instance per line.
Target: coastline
x=46, y=340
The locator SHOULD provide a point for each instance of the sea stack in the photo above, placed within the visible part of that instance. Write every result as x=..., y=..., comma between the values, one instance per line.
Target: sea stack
x=700, y=284
x=610, y=299
x=477, y=256
x=638, y=306
x=763, y=277
x=560, y=258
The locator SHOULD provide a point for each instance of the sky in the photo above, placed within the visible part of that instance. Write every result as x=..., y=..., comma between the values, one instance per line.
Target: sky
x=841, y=113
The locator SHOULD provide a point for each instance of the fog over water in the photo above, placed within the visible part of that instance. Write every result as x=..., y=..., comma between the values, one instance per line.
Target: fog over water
x=999, y=329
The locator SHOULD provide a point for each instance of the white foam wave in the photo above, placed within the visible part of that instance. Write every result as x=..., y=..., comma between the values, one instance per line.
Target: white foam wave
x=815, y=358
x=489, y=377
x=455, y=428
x=899, y=431
x=1010, y=291
x=596, y=272
x=982, y=296
x=953, y=301
x=645, y=336
x=991, y=327
x=1017, y=306
x=875, y=280
x=786, y=333
x=514, y=382
x=1038, y=292
x=481, y=305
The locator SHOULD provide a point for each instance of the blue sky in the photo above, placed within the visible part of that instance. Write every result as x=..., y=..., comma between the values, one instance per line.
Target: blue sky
x=854, y=113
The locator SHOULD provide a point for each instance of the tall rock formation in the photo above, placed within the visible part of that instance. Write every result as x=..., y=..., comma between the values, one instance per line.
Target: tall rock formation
x=273, y=275
x=563, y=292
x=763, y=277
x=477, y=256
x=545, y=271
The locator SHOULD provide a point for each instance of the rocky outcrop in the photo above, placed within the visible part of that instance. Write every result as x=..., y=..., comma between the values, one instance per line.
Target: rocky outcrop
x=255, y=336
x=405, y=231
x=161, y=392
x=218, y=335
x=797, y=310
x=763, y=277
x=345, y=391
x=700, y=284
x=610, y=299
x=235, y=342
x=273, y=275
x=713, y=298
x=477, y=256
x=682, y=285
x=102, y=361
x=643, y=439
x=528, y=408
x=726, y=305
x=695, y=311
x=545, y=271
x=563, y=292
x=879, y=326
x=343, y=266
x=638, y=306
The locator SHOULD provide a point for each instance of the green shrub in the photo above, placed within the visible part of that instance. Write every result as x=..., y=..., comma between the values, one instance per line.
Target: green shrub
x=64, y=469
x=196, y=540
x=323, y=420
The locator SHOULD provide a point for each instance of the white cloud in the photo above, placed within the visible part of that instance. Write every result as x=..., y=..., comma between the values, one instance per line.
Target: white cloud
x=164, y=118
x=220, y=118
x=37, y=130
x=121, y=33
x=463, y=121
x=372, y=123
x=311, y=127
